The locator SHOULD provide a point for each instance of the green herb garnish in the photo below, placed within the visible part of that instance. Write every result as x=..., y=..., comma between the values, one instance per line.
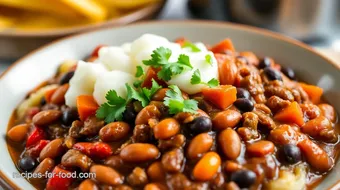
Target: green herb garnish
x=176, y=103
x=196, y=79
x=192, y=46
x=208, y=59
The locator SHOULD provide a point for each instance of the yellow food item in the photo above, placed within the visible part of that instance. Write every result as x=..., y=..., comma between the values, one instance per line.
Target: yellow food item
x=128, y=4
x=289, y=180
x=89, y=8
x=5, y=22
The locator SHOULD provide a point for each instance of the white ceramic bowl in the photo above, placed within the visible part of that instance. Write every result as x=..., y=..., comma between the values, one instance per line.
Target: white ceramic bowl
x=41, y=64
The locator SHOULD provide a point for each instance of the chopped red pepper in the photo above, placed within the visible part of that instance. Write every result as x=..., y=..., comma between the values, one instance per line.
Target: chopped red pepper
x=96, y=50
x=61, y=179
x=97, y=150
x=34, y=151
x=36, y=135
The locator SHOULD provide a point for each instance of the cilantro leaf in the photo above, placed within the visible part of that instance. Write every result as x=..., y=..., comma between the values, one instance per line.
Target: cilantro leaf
x=208, y=59
x=113, y=99
x=113, y=109
x=176, y=102
x=213, y=82
x=136, y=95
x=160, y=58
x=140, y=71
x=150, y=92
x=192, y=46
x=137, y=83
x=196, y=77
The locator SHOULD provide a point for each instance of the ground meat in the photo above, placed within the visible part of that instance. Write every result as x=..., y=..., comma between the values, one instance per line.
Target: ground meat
x=248, y=131
x=172, y=161
x=276, y=103
x=74, y=131
x=310, y=111
x=265, y=120
x=138, y=177
x=281, y=92
x=56, y=131
x=75, y=159
x=92, y=126
x=175, y=142
x=178, y=181
x=252, y=82
x=142, y=134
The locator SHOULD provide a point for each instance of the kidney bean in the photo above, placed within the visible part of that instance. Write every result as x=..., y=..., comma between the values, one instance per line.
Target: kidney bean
x=115, y=131
x=138, y=177
x=320, y=128
x=115, y=162
x=172, y=161
x=58, y=97
x=18, y=133
x=166, y=129
x=47, y=117
x=199, y=145
x=230, y=143
x=283, y=134
x=52, y=150
x=160, y=94
x=74, y=158
x=260, y=148
x=156, y=171
x=150, y=111
x=45, y=166
x=327, y=111
x=175, y=142
x=139, y=152
x=225, y=119
x=88, y=184
x=106, y=175
x=207, y=167
x=155, y=186
x=231, y=166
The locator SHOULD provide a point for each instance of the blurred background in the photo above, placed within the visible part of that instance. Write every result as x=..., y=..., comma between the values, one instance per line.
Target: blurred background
x=26, y=25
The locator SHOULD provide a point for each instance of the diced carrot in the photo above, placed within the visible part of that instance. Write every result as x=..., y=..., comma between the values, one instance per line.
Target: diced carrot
x=48, y=94
x=222, y=96
x=61, y=179
x=223, y=46
x=96, y=50
x=314, y=92
x=227, y=69
x=181, y=41
x=152, y=74
x=251, y=57
x=291, y=114
x=87, y=106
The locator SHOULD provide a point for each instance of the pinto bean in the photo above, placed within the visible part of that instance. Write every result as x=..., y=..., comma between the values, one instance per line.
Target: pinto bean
x=47, y=117
x=18, y=133
x=207, y=167
x=46, y=165
x=74, y=158
x=115, y=131
x=225, y=119
x=106, y=175
x=230, y=143
x=139, y=152
x=327, y=111
x=88, y=184
x=260, y=148
x=58, y=97
x=150, y=111
x=320, y=128
x=52, y=150
x=166, y=129
x=199, y=145
x=172, y=161
x=156, y=171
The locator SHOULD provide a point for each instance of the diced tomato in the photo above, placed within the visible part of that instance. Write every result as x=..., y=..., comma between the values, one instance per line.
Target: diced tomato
x=48, y=94
x=86, y=106
x=61, y=179
x=36, y=135
x=152, y=74
x=223, y=46
x=34, y=151
x=97, y=150
x=181, y=41
x=291, y=114
x=222, y=96
x=96, y=50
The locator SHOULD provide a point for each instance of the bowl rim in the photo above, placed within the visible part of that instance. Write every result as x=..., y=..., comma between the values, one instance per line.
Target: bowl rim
x=133, y=16
x=9, y=183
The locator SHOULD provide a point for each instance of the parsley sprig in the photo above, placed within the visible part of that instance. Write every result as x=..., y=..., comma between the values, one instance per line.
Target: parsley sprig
x=115, y=106
x=176, y=103
x=192, y=46
x=160, y=58
x=196, y=79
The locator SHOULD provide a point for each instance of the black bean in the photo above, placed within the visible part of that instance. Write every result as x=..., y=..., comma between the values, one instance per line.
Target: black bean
x=289, y=72
x=272, y=74
x=129, y=114
x=265, y=62
x=243, y=93
x=291, y=153
x=69, y=115
x=27, y=163
x=243, y=178
x=66, y=77
x=244, y=105
x=42, y=101
x=200, y=125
